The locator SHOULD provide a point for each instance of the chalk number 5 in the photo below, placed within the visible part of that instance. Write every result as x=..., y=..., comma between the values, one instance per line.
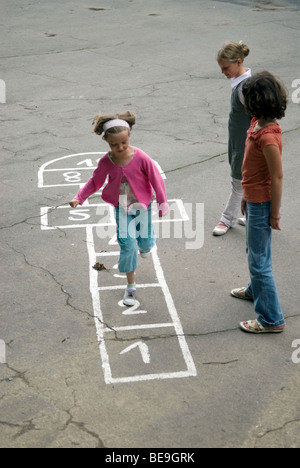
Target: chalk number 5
x=79, y=215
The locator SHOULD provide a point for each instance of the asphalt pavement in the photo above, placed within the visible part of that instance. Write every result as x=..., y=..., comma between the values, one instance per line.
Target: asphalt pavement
x=77, y=369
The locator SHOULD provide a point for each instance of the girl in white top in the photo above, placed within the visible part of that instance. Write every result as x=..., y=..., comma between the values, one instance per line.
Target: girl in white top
x=231, y=61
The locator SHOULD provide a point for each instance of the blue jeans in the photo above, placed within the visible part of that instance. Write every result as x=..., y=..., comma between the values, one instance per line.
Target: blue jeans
x=134, y=229
x=262, y=286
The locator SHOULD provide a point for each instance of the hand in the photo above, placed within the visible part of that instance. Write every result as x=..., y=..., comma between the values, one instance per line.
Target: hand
x=161, y=214
x=74, y=203
x=274, y=223
x=163, y=210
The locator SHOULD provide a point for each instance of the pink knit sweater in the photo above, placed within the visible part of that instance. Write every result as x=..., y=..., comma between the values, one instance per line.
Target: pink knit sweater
x=142, y=175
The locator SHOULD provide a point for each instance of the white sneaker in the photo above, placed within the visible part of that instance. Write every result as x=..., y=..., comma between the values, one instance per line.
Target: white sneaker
x=221, y=229
x=129, y=297
x=145, y=254
x=242, y=221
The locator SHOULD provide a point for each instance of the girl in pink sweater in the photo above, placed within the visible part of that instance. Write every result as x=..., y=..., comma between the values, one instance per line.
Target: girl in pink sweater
x=132, y=177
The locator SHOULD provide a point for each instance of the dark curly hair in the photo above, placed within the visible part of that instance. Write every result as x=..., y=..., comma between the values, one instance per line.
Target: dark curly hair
x=265, y=96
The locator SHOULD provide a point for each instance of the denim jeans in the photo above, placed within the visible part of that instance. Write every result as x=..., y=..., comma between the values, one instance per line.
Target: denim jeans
x=262, y=286
x=134, y=229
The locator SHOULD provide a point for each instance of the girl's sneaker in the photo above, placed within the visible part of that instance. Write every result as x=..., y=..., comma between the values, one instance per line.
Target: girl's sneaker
x=145, y=254
x=129, y=297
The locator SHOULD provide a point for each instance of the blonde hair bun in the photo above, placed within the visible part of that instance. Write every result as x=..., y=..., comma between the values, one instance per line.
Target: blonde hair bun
x=245, y=49
x=233, y=51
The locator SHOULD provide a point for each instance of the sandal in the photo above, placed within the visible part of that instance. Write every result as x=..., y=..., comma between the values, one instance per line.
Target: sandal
x=253, y=326
x=241, y=293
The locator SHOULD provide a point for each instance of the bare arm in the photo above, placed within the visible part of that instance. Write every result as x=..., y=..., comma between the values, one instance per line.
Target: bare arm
x=273, y=158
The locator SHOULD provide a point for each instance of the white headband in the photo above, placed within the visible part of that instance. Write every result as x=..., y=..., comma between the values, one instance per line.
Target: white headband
x=115, y=123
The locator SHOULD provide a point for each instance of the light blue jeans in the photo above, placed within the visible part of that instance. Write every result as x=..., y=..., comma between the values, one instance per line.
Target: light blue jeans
x=134, y=229
x=262, y=286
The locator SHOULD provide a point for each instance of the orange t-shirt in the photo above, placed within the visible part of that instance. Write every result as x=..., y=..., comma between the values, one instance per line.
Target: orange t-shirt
x=256, y=176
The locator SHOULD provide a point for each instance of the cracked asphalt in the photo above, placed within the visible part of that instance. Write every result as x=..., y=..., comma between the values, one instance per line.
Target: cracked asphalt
x=62, y=62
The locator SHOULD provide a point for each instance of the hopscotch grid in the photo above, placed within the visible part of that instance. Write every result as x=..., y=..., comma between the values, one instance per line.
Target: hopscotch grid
x=98, y=316
x=139, y=327
x=101, y=327
x=141, y=378
x=43, y=169
x=107, y=254
x=46, y=225
x=46, y=210
x=139, y=286
x=174, y=315
x=72, y=169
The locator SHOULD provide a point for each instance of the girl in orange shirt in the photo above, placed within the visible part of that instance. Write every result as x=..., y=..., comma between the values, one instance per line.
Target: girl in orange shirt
x=266, y=101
